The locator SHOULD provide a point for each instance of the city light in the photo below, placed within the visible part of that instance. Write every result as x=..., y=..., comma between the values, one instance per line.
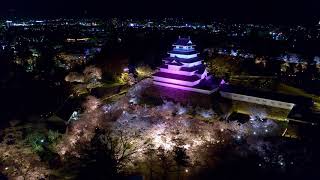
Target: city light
x=156, y=97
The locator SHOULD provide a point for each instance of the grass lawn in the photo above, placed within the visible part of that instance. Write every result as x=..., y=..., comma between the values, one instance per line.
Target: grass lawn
x=270, y=112
x=112, y=84
x=114, y=97
x=286, y=89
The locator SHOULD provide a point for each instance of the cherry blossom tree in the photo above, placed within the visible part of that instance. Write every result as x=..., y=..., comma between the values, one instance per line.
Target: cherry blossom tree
x=92, y=73
x=74, y=77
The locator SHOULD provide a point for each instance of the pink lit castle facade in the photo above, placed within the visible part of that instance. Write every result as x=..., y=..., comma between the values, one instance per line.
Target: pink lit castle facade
x=184, y=70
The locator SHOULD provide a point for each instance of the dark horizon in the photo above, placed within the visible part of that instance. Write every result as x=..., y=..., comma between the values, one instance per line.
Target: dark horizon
x=248, y=11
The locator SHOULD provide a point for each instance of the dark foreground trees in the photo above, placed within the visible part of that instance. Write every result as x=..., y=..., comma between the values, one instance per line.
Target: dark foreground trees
x=181, y=158
x=105, y=156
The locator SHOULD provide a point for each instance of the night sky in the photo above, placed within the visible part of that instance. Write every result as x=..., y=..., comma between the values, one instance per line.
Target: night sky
x=274, y=11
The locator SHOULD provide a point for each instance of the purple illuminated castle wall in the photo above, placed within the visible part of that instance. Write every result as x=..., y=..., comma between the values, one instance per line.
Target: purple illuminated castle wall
x=184, y=70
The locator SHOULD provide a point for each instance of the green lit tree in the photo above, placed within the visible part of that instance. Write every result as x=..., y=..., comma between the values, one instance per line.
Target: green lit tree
x=144, y=71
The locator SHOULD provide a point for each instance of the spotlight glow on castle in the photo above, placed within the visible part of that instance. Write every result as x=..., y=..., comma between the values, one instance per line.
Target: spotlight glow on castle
x=184, y=70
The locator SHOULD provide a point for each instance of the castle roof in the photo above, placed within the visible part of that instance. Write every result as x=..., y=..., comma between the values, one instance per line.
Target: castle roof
x=177, y=63
x=182, y=60
x=183, y=52
x=177, y=76
x=183, y=42
x=193, y=68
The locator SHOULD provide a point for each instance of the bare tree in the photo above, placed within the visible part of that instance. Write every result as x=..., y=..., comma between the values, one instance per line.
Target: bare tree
x=151, y=160
x=106, y=155
x=181, y=158
x=165, y=163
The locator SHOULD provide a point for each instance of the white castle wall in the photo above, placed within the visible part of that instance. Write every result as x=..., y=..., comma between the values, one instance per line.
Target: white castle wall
x=257, y=100
x=174, y=68
x=177, y=47
x=185, y=56
x=204, y=74
x=192, y=64
x=186, y=88
x=186, y=73
x=175, y=81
